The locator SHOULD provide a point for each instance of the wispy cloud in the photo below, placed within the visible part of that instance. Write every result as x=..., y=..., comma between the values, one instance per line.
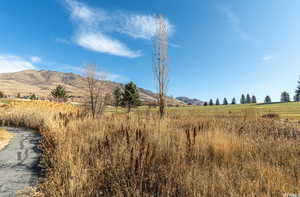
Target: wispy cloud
x=11, y=63
x=35, y=59
x=234, y=20
x=84, y=13
x=110, y=76
x=94, y=27
x=268, y=58
x=137, y=26
x=175, y=45
x=105, y=44
x=62, y=40
x=106, y=75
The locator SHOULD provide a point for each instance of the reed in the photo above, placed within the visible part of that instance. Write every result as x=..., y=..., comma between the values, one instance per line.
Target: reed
x=184, y=154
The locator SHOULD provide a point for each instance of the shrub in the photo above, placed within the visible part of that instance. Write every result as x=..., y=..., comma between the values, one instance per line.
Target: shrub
x=271, y=116
x=1, y=94
x=59, y=93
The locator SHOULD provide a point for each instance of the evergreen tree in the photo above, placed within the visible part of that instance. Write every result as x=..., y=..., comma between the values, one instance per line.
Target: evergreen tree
x=297, y=92
x=19, y=95
x=130, y=96
x=118, y=97
x=243, y=99
x=33, y=97
x=225, y=102
x=59, y=93
x=297, y=98
x=248, y=99
x=285, y=97
x=1, y=94
x=217, y=102
x=205, y=104
x=211, y=102
x=233, y=102
x=253, y=100
x=268, y=99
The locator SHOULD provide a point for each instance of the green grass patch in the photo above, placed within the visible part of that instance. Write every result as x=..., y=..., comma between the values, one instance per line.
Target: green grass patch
x=5, y=101
x=285, y=110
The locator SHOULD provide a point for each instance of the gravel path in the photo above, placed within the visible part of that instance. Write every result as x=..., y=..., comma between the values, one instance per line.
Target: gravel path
x=19, y=162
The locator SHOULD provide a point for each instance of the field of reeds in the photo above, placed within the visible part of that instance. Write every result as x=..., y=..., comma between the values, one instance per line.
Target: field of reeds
x=185, y=154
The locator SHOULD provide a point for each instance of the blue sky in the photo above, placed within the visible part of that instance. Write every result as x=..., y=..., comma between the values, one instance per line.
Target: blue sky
x=217, y=48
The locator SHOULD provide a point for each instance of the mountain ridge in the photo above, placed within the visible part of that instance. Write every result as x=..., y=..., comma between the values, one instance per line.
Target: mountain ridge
x=190, y=101
x=40, y=82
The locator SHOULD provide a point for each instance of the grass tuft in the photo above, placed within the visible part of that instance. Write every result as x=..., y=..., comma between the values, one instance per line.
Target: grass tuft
x=187, y=153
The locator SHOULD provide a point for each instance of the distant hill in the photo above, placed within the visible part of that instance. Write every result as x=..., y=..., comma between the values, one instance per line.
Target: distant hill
x=190, y=101
x=41, y=82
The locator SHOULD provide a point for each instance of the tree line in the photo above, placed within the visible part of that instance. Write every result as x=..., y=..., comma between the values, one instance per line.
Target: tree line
x=244, y=100
x=284, y=97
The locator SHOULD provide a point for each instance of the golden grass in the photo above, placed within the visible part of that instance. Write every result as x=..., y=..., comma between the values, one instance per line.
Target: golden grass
x=5, y=138
x=185, y=154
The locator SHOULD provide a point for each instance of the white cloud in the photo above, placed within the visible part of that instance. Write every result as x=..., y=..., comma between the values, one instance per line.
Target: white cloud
x=100, y=73
x=102, y=43
x=268, y=58
x=138, y=26
x=90, y=36
x=62, y=40
x=94, y=26
x=12, y=63
x=109, y=76
x=85, y=14
x=35, y=59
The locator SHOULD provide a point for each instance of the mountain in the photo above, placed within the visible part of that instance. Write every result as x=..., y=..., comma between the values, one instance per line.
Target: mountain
x=41, y=82
x=189, y=101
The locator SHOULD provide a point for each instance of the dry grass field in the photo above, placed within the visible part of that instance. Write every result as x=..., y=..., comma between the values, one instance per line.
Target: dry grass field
x=186, y=154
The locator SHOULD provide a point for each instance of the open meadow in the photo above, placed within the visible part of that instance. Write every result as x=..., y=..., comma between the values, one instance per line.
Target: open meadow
x=188, y=153
x=289, y=110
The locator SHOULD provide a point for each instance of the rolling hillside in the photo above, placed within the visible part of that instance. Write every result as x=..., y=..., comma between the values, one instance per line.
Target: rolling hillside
x=190, y=101
x=41, y=82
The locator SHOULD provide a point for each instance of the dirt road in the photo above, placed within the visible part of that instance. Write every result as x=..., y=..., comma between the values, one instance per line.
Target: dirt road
x=19, y=162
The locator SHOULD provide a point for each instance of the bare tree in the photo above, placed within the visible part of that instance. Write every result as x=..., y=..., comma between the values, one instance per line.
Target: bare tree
x=96, y=101
x=160, y=61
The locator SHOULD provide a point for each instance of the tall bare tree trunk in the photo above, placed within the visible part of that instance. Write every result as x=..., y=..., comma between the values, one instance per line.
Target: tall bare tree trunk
x=96, y=101
x=160, y=61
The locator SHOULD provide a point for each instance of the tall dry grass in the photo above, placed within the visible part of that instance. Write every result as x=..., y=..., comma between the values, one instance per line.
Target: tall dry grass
x=186, y=154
